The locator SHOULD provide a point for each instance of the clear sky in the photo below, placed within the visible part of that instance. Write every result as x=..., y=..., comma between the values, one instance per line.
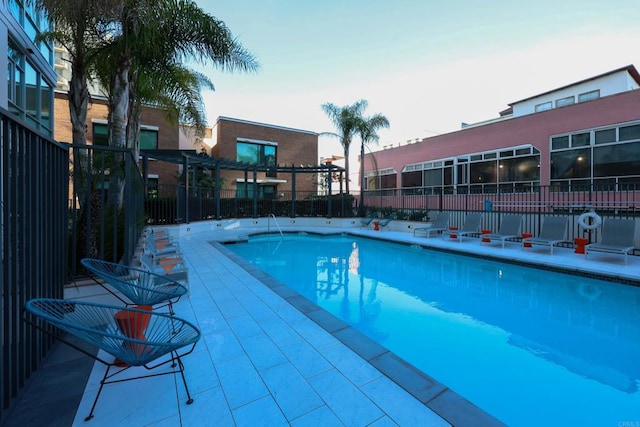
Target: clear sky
x=426, y=65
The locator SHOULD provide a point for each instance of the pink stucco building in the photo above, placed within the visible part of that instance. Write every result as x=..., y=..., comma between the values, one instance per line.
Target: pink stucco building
x=585, y=133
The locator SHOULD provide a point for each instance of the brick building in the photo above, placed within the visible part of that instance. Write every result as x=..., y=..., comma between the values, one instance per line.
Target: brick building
x=268, y=145
x=156, y=134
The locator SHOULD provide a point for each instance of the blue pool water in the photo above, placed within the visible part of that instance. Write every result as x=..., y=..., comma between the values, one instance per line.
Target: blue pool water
x=531, y=347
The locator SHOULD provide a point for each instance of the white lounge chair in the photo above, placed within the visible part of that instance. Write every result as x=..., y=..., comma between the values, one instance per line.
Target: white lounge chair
x=554, y=230
x=509, y=229
x=617, y=238
x=441, y=223
x=471, y=226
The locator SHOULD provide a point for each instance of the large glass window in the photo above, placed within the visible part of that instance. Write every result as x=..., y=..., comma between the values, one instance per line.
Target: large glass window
x=258, y=154
x=617, y=160
x=519, y=169
x=571, y=164
x=31, y=92
x=483, y=172
x=412, y=179
x=148, y=139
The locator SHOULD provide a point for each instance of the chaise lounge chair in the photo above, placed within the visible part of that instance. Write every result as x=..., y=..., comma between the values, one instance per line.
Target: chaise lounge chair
x=441, y=223
x=366, y=222
x=386, y=221
x=471, y=226
x=617, y=237
x=509, y=229
x=554, y=230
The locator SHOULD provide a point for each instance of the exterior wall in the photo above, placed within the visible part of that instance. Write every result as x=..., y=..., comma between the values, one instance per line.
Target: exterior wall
x=98, y=111
x=535, y=129
x=610, y=84
x=295, y=147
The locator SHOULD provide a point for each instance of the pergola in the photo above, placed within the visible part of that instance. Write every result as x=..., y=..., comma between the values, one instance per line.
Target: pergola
x=191, y=159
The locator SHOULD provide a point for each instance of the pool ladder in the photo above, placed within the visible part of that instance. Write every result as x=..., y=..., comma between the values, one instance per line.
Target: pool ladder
x=274, y=220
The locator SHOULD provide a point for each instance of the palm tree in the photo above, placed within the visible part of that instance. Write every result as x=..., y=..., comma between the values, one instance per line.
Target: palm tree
x=151, y=39
x=368, y=131
x=78, y=27
x=346, y=119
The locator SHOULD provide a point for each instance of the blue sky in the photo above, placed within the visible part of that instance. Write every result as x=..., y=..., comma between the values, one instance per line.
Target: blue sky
x=426, y=65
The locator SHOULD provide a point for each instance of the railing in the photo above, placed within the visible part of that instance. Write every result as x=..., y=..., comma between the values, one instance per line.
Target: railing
x=33, y=245
x=106, y=216
x=275, y=221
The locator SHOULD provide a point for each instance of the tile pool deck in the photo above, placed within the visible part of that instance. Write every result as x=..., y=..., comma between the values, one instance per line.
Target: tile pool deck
x=270, y=357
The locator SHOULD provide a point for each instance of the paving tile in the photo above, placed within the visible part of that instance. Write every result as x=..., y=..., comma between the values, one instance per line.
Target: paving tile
x=400, y=406
x=240, y=381
x=262, y=412
x=321, y=416
x=136, y=402
x=306, y=359
x=351, y=365
x=349, y=404
x=278, y=330
x=199, y=373
x=244, y=326
x=388, y=422
x=314, y=334
x=291, y=391
x=223, y=346
x=263, y=352
x=209, y=408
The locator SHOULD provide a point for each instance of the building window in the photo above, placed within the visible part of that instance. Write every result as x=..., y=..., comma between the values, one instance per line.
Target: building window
x=563, y=102
x=148, y=139
x=588, y=96
x=628, y=133
x=101, y=134
x=258, y=154
x=29, y=96
x=570, y=164
x=152, y=188
x=544, y=106
x=245, y=190
x=604, y=136
x=616, y=160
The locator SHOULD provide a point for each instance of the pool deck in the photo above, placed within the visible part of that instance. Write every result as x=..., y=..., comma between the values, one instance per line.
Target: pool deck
x=270, y=357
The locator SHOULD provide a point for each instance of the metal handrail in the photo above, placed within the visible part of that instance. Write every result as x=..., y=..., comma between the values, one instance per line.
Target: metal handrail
x=274, y=220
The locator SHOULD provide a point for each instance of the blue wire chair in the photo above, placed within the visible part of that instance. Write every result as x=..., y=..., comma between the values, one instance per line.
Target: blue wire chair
x=134, y=337
x=140, y=286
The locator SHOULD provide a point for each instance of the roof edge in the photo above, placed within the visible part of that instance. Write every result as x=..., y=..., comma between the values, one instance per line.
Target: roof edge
x=249, y=122
x=631, y=69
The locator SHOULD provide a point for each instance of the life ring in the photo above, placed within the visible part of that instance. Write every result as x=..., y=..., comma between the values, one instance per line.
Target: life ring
x=584, y=220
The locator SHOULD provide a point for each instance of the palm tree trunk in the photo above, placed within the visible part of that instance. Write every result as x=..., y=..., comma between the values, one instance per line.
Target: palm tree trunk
x=361, y=209
x=118, y=119
x=346, y=168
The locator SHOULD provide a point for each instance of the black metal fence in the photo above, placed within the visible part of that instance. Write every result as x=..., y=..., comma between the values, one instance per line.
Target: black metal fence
x=174, y=206
x=106, y=210
x=33, y=244
x=533, y=202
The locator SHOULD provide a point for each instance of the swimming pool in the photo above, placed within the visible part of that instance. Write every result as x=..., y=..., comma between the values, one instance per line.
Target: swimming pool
x=531, y=347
